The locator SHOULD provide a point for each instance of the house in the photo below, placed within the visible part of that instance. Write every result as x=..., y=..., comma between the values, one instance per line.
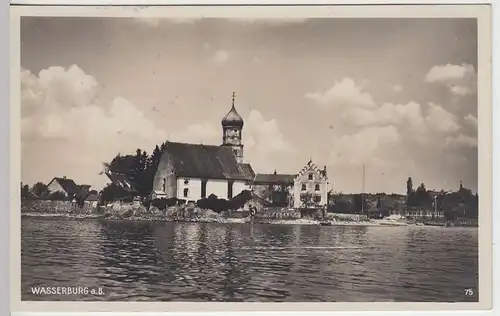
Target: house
x=307, y=189
x=121, y=180
x=275, y=188
x=92, y=199
x=195, y=171
x=310, y=187
x=64, y=185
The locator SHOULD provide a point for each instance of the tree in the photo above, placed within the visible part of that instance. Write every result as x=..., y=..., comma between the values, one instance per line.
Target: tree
x=422, y=197
x=139, y=168
x=39, y=189
x=56, y=196
x=25, y=192
x=360, y=204
x=307, y=200
x=112, y=192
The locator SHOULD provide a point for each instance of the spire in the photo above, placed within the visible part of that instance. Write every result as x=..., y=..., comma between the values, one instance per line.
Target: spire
x=234, y=96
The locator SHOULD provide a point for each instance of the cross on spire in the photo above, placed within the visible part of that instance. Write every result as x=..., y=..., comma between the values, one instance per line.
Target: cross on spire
x=234, y=96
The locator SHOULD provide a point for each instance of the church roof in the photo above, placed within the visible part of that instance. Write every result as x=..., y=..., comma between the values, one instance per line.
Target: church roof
x=207, y=161
x=273, y=178
x=232, y=118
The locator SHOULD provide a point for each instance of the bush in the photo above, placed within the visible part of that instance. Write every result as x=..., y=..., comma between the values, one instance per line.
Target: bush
x=240, y=200
x=162, y=204
x=213, y=203
x=55, y=196
x=128, y=199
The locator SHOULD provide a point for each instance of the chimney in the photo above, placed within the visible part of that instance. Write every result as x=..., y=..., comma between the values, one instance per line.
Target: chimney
x=64, y=177
x=324, y=171
x=274, y=171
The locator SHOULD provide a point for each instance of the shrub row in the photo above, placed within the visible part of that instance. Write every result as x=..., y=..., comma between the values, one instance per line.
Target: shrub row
x=211, y=203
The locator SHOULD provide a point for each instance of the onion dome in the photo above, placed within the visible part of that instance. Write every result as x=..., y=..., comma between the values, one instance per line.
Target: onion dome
x=232, y=118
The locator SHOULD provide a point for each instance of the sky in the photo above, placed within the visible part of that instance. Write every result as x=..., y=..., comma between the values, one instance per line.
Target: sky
x=396, y=95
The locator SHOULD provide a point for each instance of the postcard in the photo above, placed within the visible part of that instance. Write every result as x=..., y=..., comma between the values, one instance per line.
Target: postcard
x=222, y=158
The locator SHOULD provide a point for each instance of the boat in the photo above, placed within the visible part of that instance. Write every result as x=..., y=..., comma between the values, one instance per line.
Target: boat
x=325, y=223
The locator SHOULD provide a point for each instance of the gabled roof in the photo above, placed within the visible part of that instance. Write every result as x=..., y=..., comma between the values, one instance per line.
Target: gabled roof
x=68, y=185
x=310, y=166
x=206, y=161
x=121, y=180
x=273, y=178
x=246, y=170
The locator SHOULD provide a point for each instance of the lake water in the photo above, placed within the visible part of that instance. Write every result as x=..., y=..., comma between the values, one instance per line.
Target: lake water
x=218, y=262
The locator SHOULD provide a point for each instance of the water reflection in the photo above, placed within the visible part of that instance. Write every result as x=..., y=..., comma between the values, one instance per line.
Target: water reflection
x=215, y=262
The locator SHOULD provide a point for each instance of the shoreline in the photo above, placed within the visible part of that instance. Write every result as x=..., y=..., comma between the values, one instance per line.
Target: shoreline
x=220, y=220
x=226, y=220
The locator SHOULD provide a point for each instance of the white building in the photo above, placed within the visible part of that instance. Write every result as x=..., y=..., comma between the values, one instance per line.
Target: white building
x=192, y=171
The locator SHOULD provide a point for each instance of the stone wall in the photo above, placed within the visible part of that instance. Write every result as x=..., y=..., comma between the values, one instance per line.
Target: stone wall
x=278, y=213
x=346, y=217
x=47, y=206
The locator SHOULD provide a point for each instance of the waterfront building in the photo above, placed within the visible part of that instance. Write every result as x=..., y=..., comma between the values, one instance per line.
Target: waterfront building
x=63, y=185
x=310, y=187
x=194, y=171
x=306, y=189
x=275, y=188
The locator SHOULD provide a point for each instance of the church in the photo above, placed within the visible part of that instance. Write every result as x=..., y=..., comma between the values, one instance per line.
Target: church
x=194, y=171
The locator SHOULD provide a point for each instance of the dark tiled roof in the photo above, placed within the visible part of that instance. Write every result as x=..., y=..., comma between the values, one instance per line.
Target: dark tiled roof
x=67, y=184
x=207, y=161
x=121, y=180
x=273, y=178
x=247, y=171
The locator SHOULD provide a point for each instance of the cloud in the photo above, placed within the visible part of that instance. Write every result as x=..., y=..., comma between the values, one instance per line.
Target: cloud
x=264, y=141
x=364, y=145
x=343, y=93
x=66, y=132
x=441, y=120
x=471, y=120
x=205, y=133
x=388, y=113
x=397, y=88
x=461, y=80
x=462, y=141
x=220, y=57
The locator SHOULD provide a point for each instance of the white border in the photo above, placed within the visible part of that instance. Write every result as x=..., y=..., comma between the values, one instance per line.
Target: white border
x=496, y=115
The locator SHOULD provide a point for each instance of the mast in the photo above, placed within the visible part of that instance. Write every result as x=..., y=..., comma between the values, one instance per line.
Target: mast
x=363, y=192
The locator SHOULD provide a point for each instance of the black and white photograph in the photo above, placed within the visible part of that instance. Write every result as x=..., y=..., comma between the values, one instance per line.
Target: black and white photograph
x=248, y=159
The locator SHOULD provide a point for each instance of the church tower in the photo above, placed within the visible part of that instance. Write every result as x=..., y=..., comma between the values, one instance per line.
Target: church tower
x=232, y=125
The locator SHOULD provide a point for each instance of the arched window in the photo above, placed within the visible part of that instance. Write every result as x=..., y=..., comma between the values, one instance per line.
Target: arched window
x=186, y=192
